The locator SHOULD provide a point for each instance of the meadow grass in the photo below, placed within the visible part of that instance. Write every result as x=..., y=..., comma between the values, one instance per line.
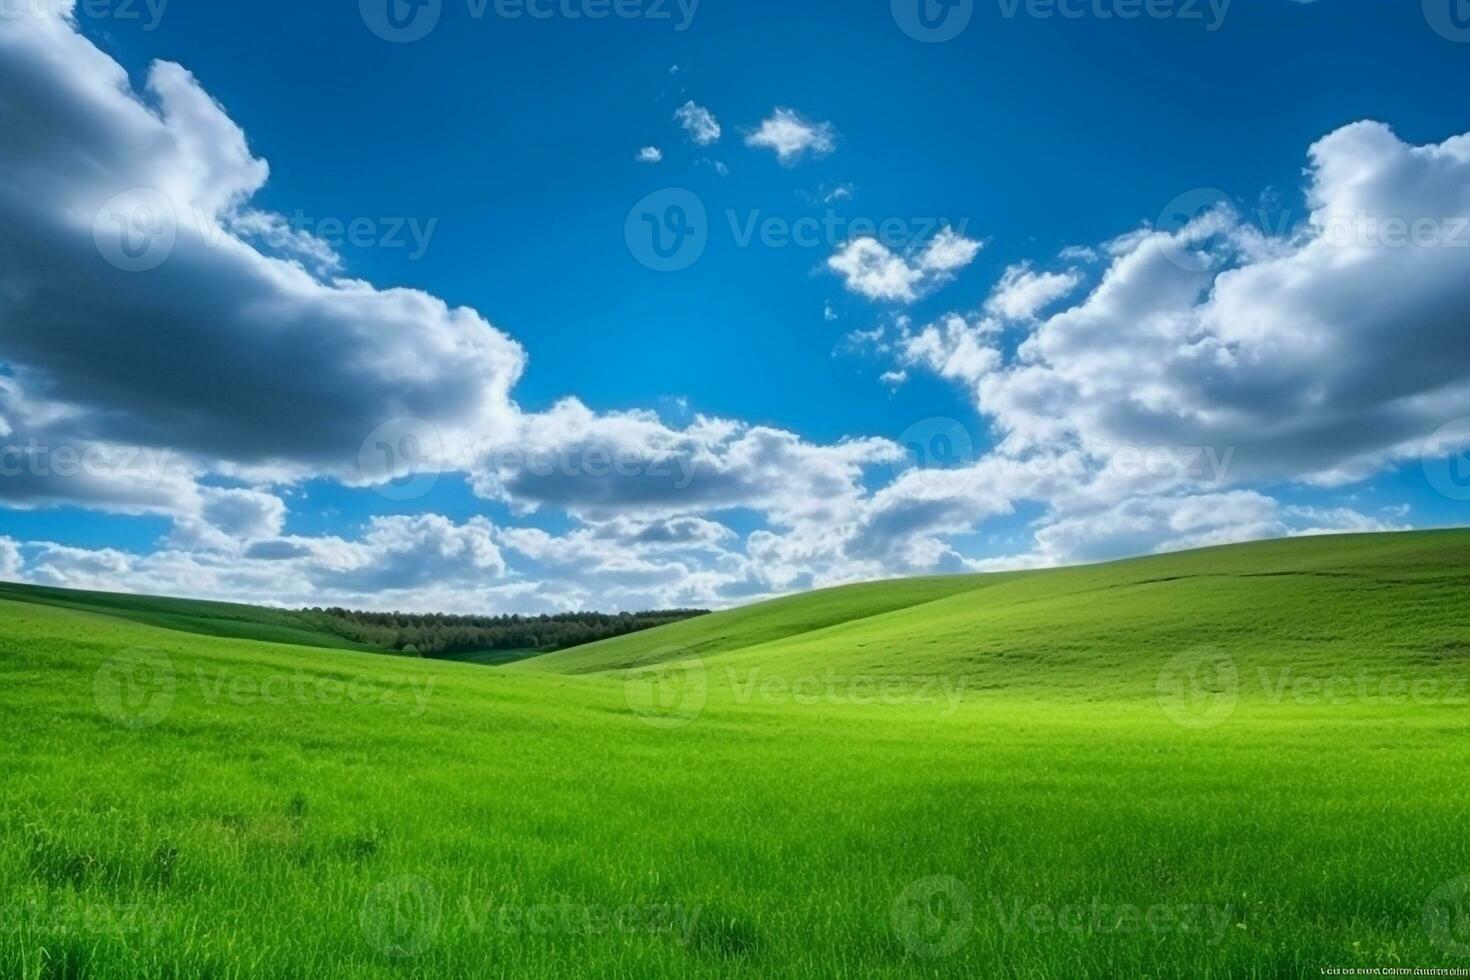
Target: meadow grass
x=1247, y=762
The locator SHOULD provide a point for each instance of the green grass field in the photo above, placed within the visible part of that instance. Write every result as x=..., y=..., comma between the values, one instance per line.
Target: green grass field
x=1243, y=762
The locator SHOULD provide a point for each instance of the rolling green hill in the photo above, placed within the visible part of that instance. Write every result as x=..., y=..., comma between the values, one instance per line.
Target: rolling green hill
x=1242, y=762
x=223, y=619
x=1376, y=599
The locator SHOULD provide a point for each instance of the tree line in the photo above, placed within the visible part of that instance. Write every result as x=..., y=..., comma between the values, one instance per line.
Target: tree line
x=438, y=634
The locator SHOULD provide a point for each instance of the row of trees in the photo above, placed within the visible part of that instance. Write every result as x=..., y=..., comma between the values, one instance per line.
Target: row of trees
x=437, y=634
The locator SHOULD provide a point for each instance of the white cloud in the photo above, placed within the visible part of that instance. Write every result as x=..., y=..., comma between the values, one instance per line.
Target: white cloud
x=1176, y=523
x=599, y=467
x=12, y=563
x=1307, y=359
x=1321, y=359
x=424, y=562
x=650, y=154
x=186, y=354
x=1022, y=293
x=869, y=268
x=791, y=137
x=701, y=125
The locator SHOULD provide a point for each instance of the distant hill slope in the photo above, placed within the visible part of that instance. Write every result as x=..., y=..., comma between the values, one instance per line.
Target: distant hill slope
x=223, y=619
x=1363, y=599
x=765, y=622
x=1358, y=599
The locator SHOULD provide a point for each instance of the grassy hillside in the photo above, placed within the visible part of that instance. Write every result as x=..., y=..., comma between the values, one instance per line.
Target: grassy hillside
x=1372, y=599
x=753, y=625
x=223, y=619
x=1247, y=762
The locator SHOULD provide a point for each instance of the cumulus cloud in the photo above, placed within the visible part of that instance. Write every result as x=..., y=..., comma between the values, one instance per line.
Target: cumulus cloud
x=12, y=563
x=869, y=268
x=171, y=348
x=601, y=466
x=1334, y=354
x=135, y=306
x=1023, y=293
x=650, y=154
x=792, y=137
x=1320, y=358
x=701, y=125
x=398, y=562
x=1175, y=523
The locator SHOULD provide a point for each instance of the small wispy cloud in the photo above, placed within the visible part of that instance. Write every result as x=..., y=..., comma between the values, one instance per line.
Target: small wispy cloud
x=701, y=125
x=792, y=137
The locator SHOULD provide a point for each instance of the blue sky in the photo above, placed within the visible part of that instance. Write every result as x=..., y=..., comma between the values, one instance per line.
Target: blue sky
x=494, y=164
